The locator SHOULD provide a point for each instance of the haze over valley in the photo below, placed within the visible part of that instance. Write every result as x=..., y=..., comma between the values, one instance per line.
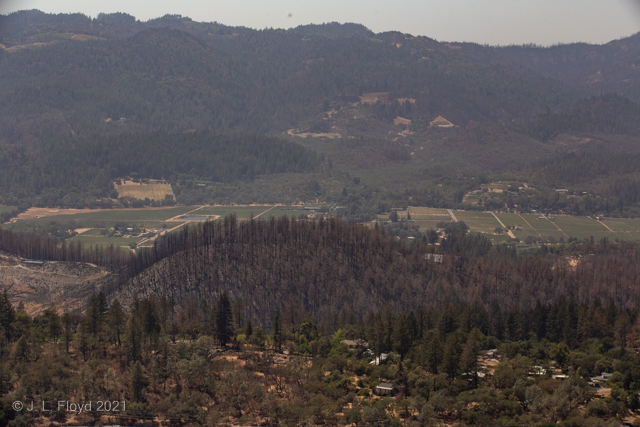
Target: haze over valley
x=217, y=225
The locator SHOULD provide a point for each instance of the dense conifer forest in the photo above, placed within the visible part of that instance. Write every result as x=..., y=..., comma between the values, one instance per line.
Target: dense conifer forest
x=81, y=173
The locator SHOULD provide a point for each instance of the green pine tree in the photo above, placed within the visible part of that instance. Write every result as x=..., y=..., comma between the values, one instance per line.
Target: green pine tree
x=137, y=382
x=222, y=319
x=277, y=331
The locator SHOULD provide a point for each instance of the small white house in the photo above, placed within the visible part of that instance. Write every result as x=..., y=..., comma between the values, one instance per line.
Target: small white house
x=384, y=388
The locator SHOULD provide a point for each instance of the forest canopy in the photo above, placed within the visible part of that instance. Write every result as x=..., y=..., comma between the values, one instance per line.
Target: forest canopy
x=87, y=167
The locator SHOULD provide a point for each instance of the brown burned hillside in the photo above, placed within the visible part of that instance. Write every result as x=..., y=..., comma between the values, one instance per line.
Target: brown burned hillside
x=330, y=268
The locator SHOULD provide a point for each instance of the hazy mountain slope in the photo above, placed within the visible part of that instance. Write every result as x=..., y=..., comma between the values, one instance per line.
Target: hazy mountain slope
x=334, y=30
x=261, y=81
x=591, y=69
x=607, y=114
x=366, y=101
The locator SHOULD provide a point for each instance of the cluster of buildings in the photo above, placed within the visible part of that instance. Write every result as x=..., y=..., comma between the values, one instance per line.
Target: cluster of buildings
x=487, y=359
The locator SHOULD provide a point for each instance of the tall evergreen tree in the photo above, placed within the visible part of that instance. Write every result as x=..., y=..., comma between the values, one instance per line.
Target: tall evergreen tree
x=222, y=319
x=7, y=315
x=248, y=329
x=403, y=336
x=451, y=357
x=434, y=352
x=137, y=382
x=54, y=326
x=66, y=324
x=277, y=331
x=83, y=344
x=134, y=341
x=469, y=357
x=116, y=319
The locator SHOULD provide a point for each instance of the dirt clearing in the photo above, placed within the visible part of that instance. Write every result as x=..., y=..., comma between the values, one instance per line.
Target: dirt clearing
x=34, y=213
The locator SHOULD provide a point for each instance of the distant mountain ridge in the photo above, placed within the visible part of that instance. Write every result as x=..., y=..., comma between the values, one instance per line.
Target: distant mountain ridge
x=240, y=79
x=592, y=69
x=367, y=102
x=334, y=30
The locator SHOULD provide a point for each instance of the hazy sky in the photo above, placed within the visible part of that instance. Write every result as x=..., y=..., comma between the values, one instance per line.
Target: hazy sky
x=483, y=21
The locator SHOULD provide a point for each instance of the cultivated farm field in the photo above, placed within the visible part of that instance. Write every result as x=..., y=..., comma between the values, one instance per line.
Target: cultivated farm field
x=125, y=227
x=558, y=227
x=148, y=218
x=288, y=211
x=428, y=212
x=143, y=191
x=515, y=220
x=623, y=225
x=582, y=227
x=91, y=241
x=426, y=218
x=483, y=222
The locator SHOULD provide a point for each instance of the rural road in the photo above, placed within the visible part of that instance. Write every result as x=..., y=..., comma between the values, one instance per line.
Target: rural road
x=273, y=207
x=177, y=217
x=605, y=225
x=162, y=233
x=509, y=232
x=453, y=217
x=559, y=229
x=530, y=225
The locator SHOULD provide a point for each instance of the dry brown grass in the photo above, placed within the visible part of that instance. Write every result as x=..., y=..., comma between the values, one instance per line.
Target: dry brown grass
x=373, y=97
x=33, y=213
x=85, y=37
x=143, y=191
x=294, y=132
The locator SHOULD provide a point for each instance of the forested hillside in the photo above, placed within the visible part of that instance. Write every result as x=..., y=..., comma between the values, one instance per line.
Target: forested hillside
x=395, y=119
x=191, y=364
x=592, y=69
x=272, y=320
x=605, y=114
x=78, y=171
x=271, y=80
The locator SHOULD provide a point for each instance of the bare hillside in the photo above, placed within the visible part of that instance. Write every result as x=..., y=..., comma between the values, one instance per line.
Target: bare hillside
x=63, y=284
